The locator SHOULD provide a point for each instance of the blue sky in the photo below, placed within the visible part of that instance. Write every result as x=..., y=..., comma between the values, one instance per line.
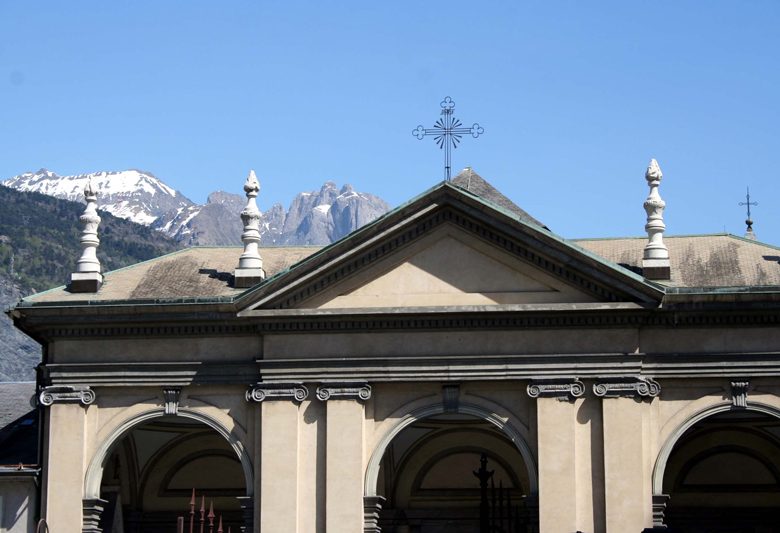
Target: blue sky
x=575, y=98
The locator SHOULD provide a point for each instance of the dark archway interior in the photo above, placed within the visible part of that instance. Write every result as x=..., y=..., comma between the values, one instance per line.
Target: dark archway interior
x=427, y=477
x=723, y=476
x=149, y=477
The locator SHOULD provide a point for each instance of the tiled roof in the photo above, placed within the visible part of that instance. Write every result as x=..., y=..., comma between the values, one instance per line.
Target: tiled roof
x=476, y=184
x=201, y=272
x=15, y=401
x=700, y=260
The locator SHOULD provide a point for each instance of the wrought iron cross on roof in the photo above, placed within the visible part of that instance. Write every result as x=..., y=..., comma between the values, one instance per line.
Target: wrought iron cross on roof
x=448, y=132
x=748, y=203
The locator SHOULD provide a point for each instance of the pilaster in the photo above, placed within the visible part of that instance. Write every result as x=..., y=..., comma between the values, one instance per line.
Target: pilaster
x=63, y=472
x=345, y=449
x=627, y=488
x=557, y=465
x=279, y=454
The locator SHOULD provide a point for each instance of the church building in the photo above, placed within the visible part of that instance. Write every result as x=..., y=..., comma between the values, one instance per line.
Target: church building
x=453, y=366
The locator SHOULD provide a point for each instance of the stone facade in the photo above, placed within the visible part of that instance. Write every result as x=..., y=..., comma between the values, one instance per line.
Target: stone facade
x=357, y=390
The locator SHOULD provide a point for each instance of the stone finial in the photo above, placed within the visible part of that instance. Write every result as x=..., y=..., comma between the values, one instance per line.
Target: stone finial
x=749, y=233
x=87, y=277
x=250, y=264
x=655, y=262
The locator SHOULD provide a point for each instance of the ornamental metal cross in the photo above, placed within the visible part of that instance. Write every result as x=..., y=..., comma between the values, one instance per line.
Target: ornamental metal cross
x=748, y=203
x=447, y=132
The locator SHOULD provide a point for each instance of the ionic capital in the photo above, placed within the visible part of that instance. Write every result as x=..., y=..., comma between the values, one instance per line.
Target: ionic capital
x=262, y=392
x=564, y=389
x=344, y=391
x=627, y=387
x=66, y=394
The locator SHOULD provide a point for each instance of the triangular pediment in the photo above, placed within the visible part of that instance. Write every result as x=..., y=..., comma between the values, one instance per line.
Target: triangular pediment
x=449, y=248
x=448, y=268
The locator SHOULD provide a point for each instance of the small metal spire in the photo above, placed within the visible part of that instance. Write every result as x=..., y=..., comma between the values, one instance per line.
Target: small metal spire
x=87, y=277
x=749, y=234
x=250, y=264
x=655, y=261
x=447, y=132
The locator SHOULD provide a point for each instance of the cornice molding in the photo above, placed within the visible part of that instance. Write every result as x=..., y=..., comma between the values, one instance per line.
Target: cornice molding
x=411, y=319
x=159, y=374
x=397, y=367
x=66, y=394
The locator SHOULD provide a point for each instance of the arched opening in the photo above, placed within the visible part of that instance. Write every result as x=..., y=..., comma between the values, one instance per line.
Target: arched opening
x=723, y=475
x=428, y=477
x=149, y=474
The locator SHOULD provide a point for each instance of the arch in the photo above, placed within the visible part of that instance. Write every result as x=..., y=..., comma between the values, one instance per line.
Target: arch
x=666, y=450
x=94, y=474
x=372, y=469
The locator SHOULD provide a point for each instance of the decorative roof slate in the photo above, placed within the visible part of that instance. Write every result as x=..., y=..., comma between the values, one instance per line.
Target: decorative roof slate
x=201, y=272
x=476, y=184
x=15, y=401
x=721, y=260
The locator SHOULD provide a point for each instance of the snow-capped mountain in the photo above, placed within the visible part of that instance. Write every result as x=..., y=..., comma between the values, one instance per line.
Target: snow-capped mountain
x=316, y=217
x=131, y=194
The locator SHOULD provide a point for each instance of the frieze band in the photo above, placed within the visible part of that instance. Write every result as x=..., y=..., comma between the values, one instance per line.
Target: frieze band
x=563, y=389
x=66, y=394
x=277, y=391
x=344, y=390
x=630, y=386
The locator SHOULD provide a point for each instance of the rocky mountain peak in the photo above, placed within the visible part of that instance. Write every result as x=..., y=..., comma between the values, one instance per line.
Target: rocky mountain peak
x=315, y=217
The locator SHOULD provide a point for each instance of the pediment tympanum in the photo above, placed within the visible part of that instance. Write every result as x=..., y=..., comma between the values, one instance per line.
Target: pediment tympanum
x=448, y=268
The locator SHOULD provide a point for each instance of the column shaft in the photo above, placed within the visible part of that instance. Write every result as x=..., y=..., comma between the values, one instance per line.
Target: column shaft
x=627, y=480
x=64, y=466
x=344, y=467
x=557, y=486
x=279, y=467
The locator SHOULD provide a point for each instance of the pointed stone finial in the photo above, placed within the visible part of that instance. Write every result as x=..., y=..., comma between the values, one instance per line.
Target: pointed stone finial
x=87, y=277
x=250, y=264
x=655, y=261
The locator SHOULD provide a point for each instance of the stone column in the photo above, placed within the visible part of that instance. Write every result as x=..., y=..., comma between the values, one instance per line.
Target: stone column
x=556, y=426
x=627, y=470
x=344, y=445
x=64, y=458
x=279, y=449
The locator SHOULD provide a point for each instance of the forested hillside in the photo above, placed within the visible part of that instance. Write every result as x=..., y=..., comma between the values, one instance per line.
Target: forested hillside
x=39, y=246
